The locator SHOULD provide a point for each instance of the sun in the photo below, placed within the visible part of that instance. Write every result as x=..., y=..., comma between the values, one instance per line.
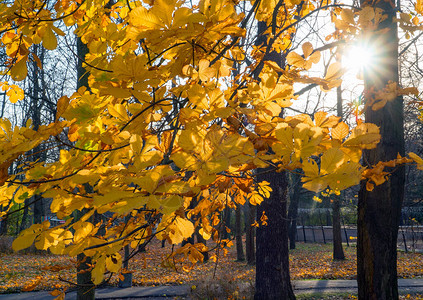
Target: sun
x=358, y=58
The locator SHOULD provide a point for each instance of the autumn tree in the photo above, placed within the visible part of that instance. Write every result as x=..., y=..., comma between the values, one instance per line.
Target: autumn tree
x=161, y=133
x=379, y=205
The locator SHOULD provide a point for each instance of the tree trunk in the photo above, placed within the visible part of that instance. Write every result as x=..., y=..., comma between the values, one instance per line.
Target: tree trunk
x=272, y=257
x=86, y=288
x=227, y=223
x=272, y=254
x=238, y=234
x=293, y=209
x=338, y=251
x=25, y=218
x=250, y=251
x=379, y=210
x=3, y=225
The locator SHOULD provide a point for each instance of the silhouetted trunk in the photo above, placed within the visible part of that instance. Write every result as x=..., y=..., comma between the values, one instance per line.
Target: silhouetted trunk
x=200, y=239
x=272, y=257
x=379, y=210
x=293, y=209
x=250, y=217
x=272, y=254
x=86, y=288
x=227, y=223
x=36, y=107
x=25, y=215
x=338, y=251
x=238, y=234
x=38, y=209
x=3, y=225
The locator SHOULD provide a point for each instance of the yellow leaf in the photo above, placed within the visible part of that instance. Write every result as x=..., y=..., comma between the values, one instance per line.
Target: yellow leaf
x=417, y=159
x=264, y=189
x=204, y=234
x=364, y=136
x=294, y=59
x=82, y=230
x=15, y=93
x=114, y=262
x=49, y=39
x=62, y=105
x=335, y=71
x=26, y=237
x=255, y=198
x=340, y=131
x=143, y=19
x=19, y=69
x=204, y=71
x=307, y=49
x=331, y=160
x=58, y=31
x=310, y=168
x=97, y=274
x=347, y=15
x=216, y=166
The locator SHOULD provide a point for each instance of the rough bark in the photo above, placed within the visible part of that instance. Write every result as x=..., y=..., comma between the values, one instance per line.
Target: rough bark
x=293, y=209
x=338, y=251
x=238, y=234
x=227, y=219
x=86, y=288
x=250, y=251
x=272, y=254
x=272, y=257
x=379, y=210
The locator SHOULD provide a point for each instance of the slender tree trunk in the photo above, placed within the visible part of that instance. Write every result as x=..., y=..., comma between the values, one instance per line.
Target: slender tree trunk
x=3, y=225
x=272, y=257
x=86, y=288
x=250, y=217
x=293, y=209
x=238, y=234
x=227, y=219
x=25, y=217
x=379, y=210
x=338, y=251
x=200, y=239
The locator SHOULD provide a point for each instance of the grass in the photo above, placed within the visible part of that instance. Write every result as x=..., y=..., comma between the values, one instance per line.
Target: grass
x=308, y=261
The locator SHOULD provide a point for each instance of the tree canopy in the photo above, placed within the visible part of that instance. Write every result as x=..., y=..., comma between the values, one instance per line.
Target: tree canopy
x=165, y=122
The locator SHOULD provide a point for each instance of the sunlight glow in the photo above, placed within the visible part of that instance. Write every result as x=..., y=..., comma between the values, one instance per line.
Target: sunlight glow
x=357, y=58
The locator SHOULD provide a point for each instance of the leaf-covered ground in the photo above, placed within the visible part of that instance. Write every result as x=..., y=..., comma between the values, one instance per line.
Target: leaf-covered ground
x=308, y=261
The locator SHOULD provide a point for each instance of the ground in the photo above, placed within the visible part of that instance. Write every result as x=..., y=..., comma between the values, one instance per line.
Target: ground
x=308, y=261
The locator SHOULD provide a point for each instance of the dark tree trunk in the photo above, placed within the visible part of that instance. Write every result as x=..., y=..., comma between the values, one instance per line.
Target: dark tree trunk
x=250, y=217
x=272, y=254
x=338, y=251
x=35, y=111
x=200, y=239
x=272, y=257
x=38, y=209
x=227, y=223
x=4, y=225
x=86, y=288
x=379, y=210
x=238, y=234
x=293, y=209
x=25, y=215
